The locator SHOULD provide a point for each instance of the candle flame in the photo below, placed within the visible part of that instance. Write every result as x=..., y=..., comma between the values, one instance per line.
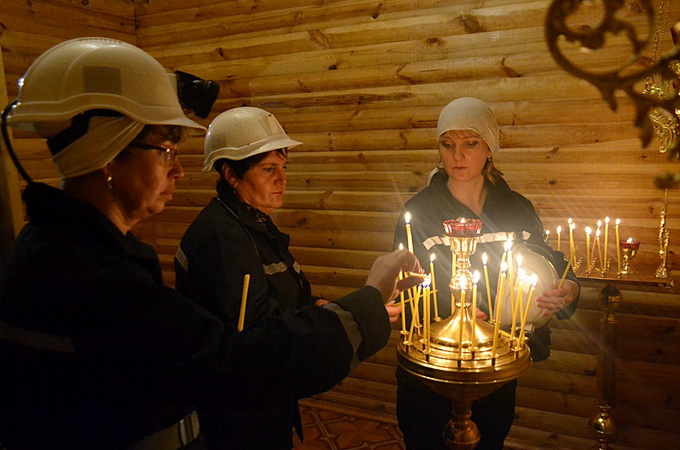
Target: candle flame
x=401, y=246
x=475, y=276
x=407, y=217
x=597, y=233
x=606, y=220
x=504, y=266
x=534, y=280
x=547, y=232
x=559, y=229
x=588, y=230
x=572, y=226
x=519, y=260
x=484, y=258
x=432, y=256
x=569, y=221
x=508, y=245
x=629, y=240
x=618, y=222
x=599, y=223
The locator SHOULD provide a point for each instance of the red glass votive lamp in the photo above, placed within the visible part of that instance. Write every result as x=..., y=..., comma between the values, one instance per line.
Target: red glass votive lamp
x=463, y=227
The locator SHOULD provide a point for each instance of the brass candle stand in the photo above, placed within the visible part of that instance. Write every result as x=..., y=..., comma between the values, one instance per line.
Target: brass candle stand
x=460, y=357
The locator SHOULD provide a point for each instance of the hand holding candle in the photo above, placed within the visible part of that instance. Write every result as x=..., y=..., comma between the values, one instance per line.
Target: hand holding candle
x=244, y=300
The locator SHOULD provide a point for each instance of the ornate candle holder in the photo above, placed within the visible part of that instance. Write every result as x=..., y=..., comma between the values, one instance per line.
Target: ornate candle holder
x=460, y=357
x=463, y=235
x=629, y=248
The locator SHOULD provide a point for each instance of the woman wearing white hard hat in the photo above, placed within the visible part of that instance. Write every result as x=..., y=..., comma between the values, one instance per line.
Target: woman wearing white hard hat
x=234, y=236
x=467, y=184
x=96, y=353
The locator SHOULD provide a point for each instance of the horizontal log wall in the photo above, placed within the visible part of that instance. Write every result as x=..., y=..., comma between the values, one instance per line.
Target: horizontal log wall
x=361, y=83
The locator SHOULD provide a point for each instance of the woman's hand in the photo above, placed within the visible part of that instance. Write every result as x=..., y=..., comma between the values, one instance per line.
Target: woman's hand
x=393, y=310
x=556, y=299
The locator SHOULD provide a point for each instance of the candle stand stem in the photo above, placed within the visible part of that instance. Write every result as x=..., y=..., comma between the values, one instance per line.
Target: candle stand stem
x=602, y=423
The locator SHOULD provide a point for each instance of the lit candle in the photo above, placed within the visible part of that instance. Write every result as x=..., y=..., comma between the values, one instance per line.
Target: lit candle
x=598, y=246
x=475, y=279
x=460, y=328
x=401, y=300
x=618, y=246
x=409, y=236
x=564, y=274
x=499, y=306
x=488, y=288
x=426, y=318
x=534, y=280
x=547, y=236
x=434, y=288
x=588, y=259
x=517, y=302
x=244, y=300
x=606, y=241
x=572, y=227
x=507, y=246
x=559, y=237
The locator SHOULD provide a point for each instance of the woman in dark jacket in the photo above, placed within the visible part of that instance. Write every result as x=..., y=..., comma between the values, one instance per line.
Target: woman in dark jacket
x=468, y=185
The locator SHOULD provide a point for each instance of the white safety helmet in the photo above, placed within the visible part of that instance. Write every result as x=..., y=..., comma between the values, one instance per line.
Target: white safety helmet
x=97, y=73
x=243, y=132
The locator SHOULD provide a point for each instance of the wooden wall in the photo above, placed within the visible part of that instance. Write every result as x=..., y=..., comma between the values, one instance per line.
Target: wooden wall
x=361, y=83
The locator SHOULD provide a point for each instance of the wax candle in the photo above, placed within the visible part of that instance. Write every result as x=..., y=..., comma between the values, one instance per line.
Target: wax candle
x=426, y=318
x=618, y=246
x=572, y=227
x=244, y=300
x=588, y=258
x=488, y=287
x=534, y=280
x=475, y=279
x=566, y=271
x=559, y=237
x=547, y=236
x=409, y=236
x=606, y=242
x=401, y=301
x=499, y=306
x=598, y=246
x=462, y=321
x=516, y=303
x=434, y=288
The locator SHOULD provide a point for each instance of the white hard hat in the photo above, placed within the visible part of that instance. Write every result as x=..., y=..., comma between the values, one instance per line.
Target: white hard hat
x=546, y=276
x=97, y=73
x=243, y=132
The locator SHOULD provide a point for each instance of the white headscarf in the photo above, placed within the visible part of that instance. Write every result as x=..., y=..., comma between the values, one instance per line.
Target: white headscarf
x=105, y=138
x=468, y=113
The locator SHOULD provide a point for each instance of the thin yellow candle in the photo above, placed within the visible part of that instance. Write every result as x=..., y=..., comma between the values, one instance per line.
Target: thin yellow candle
x=244, y=300
x=559, y=238
x=409, y=236
x=403, y=311
x=499, y=306
x=507, y=246
x=566, y=271
x=475, y=279
x=588, y=259
x=426, y=320
x=547, y=236
x=598, y=246
x=618, y=246
x=460, y=328
x=606, y=241
x=572, y=227
x=534, y=280
x=488, y=288
x=434, y=288
x=517, y=302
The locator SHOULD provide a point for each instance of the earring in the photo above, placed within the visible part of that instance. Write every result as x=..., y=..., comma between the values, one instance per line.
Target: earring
x=109, y=183
x=488, y=159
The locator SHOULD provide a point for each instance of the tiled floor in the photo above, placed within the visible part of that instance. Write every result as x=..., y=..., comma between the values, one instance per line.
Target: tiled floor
x=326, y=429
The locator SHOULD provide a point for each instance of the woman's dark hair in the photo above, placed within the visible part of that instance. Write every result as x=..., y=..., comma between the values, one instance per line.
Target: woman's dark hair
x=241, y=166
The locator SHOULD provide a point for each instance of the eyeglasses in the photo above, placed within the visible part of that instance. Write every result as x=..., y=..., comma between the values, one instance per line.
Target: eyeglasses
x=169, y=154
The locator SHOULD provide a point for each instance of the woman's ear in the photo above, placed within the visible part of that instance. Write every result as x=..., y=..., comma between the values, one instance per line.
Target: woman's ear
x=229, y=176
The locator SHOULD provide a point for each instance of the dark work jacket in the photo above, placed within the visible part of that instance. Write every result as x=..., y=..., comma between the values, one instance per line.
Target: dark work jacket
x=223, y=244
x=504, y=211
x=96, y=353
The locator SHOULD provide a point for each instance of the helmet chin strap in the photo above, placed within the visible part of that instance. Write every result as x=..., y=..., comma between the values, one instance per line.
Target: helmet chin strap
x=8, y=144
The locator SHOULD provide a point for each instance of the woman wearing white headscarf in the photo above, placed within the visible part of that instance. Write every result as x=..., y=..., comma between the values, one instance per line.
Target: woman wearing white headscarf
x=467, y=184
